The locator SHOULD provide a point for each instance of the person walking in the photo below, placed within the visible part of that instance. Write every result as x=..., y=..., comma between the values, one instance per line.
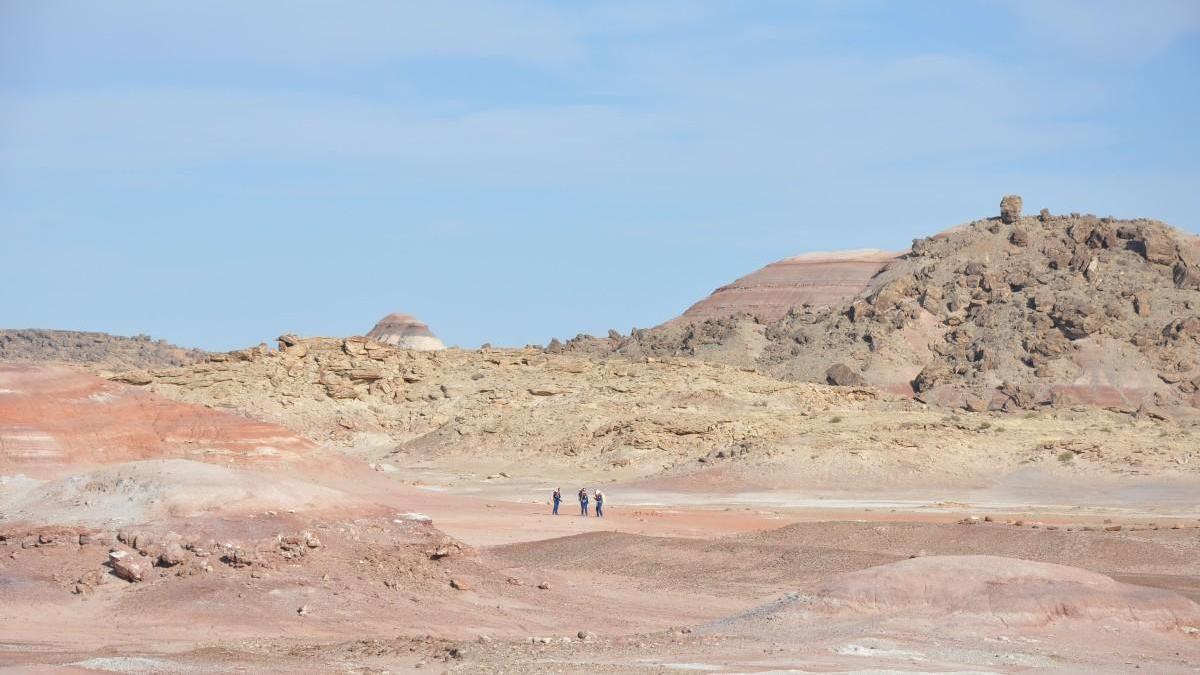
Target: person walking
x=599, y=503
x=557, y=497
x=583, y=500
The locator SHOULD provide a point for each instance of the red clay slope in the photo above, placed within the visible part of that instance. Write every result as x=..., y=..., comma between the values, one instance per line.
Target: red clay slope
x=54, y=418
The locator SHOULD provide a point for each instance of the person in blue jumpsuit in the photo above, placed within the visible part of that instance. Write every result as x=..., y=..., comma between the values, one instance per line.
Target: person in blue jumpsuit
x=583, y=500
x=557, y=499
x=599, y=503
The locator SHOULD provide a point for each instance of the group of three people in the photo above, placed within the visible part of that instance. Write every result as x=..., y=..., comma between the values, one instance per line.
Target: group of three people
x=597, y=495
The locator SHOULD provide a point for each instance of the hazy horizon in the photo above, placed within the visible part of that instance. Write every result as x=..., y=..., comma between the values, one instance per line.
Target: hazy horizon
x=217, y=174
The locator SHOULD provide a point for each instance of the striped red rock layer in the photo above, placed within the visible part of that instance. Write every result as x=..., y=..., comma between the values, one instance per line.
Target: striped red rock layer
x=818, y=279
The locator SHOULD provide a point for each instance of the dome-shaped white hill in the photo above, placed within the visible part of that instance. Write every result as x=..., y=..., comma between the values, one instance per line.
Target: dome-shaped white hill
x=405, y=331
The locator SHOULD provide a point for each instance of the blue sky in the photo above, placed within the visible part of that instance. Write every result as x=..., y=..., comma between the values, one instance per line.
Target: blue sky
x=218, y=173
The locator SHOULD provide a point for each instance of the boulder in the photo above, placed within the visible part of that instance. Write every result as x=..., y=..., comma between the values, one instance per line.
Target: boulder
x=891, y=294
x=135, y=377
x=1182, y=329
x=932, y=299
x=1076, y=319
x=1186, y=276
x=237, y=557
x=172, y=555
x=929, y=377
x=972, y=403
x=1155, y=245
x=341, y=391
x=841, y=375
x=1141, y=303
x=1010, y=209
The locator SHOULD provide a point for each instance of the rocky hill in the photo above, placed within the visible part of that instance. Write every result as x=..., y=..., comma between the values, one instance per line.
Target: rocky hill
x=101, y=350
x=1006, y=313
x=356, y=391
x=486, y=411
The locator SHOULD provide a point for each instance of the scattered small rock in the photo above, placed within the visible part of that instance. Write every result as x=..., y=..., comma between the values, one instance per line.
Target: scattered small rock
x=124, y=566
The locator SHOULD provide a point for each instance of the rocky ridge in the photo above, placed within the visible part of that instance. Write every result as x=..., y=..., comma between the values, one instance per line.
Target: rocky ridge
x=356, y=391
x=641, y=417
x=101, y=350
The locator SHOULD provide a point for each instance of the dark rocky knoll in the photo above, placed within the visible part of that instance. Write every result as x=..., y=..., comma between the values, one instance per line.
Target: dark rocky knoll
x=1010, y=312
x=101, y=350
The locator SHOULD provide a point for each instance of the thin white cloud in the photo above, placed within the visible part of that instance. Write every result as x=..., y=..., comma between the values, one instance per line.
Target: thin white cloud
x=1111, y=29
x=795, y=118
x=152, y=128
x=690, y=116
x=296, y=32
x=750, y=122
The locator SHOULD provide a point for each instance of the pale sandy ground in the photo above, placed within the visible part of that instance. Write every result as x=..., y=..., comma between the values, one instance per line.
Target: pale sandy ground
x=655, y=581
x=499, y=510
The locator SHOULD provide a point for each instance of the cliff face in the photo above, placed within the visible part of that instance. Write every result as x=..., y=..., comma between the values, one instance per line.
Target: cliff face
x=110, y=352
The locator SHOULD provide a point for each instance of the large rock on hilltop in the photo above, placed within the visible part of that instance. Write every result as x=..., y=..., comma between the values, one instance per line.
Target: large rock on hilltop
x=1010, y=209
x=406, y=332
